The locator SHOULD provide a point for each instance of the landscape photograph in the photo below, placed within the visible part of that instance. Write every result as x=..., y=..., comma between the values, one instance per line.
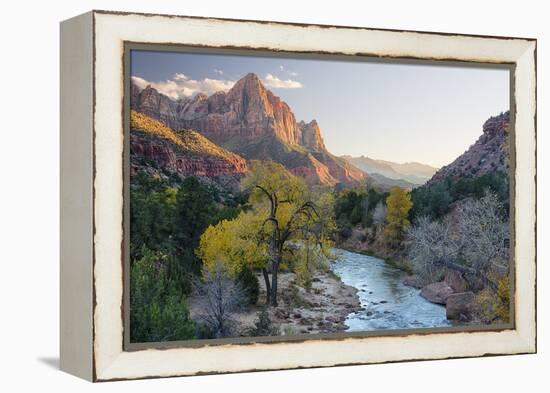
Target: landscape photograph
x=279, y=196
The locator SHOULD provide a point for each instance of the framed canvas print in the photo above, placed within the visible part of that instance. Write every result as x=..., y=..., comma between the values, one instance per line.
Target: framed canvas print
x=246, y=195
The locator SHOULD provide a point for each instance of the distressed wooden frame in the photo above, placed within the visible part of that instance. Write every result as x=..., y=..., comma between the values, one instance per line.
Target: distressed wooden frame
x=172, y=48
x=92, y=151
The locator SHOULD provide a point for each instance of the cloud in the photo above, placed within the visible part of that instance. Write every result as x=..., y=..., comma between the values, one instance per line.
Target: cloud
x=276, y=83
x=181, y=85
x=140, y=82
x=219, y=72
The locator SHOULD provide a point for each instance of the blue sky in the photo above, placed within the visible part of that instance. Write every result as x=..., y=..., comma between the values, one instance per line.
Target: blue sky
x=397, y=112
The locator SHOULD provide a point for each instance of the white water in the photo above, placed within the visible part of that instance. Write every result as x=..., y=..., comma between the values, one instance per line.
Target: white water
x=387, y=303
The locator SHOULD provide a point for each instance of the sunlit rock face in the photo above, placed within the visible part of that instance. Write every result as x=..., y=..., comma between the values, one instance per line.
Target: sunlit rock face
x=251, y=121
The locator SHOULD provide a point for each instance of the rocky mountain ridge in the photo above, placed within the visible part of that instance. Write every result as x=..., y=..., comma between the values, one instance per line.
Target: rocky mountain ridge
x=154, y=147
x=251, y=121
x=490, y=153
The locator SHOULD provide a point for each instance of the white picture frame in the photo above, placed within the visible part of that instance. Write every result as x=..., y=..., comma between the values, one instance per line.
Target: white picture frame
x=92, y=147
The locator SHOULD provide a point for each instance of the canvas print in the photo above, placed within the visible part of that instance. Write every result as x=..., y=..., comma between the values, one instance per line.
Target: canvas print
x=279, y=196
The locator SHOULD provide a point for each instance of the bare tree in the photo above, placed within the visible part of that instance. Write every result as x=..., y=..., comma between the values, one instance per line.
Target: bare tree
x=484, y=234
x=379, y=214
x=220, y=296
x=473, y=242
x=430, y=243
x=365, y=205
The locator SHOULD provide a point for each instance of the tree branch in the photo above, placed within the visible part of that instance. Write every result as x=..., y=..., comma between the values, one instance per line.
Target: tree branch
x=467, y=270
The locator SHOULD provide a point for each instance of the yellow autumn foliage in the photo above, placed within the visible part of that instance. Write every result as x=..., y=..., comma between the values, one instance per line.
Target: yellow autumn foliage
x=234, y=243
x=286, y=219
x=398, y=204
x=495, y=305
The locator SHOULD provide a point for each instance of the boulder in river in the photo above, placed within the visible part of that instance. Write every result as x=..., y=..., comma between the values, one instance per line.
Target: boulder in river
x=460, y=306
x=438, y=292
x=455, y=280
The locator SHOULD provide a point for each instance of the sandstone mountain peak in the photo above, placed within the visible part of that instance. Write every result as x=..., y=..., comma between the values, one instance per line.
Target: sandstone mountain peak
x=311, y=135
x=312, y=123
x=253, y=122
x=200, y=97
x=250, y=77
x=250, y=83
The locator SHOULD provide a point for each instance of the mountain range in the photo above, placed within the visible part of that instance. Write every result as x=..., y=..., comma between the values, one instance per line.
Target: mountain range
x=250, y=121
x=215, y=136
x=411, y=172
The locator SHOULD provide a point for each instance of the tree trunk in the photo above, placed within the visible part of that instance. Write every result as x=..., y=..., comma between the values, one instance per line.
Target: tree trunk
x=274, y=284
x=267, y=286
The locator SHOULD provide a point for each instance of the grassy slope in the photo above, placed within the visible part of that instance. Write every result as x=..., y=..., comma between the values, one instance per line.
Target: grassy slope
x=188, y=140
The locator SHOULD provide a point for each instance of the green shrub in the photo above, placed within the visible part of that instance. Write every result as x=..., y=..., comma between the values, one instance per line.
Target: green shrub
x=263, y=326
x=345, y=229
x=304, y=275
x=434, y=200
x=289, y=330
x=157, y=310
x=356, y=206
x=249, y=283
x=171, y=218
x=203, y=332
x=294, y=299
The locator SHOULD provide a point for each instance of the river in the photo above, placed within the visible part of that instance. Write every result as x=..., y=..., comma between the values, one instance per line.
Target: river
x=387, y=303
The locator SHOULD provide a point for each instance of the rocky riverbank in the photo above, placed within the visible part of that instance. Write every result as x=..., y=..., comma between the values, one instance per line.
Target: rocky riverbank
x=453, y=292
x=321, y=309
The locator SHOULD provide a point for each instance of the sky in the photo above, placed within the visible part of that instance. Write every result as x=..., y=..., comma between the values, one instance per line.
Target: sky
x=392, y=111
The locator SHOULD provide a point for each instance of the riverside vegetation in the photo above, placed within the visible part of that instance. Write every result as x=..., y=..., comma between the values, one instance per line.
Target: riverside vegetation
x=451, y=237
x=240, y=237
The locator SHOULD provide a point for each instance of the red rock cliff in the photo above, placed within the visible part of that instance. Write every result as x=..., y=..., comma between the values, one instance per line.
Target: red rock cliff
x=185, y=152
x=245, y=120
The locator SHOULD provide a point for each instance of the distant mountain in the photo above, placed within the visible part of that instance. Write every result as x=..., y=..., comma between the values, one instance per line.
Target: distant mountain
x=488, y=154
x=154, y=146
x=412, y=172
x=412, y=168
x=386, y=183
x=252, y=122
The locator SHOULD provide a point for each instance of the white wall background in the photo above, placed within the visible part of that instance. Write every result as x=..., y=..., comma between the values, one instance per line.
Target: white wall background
x=29, y=183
